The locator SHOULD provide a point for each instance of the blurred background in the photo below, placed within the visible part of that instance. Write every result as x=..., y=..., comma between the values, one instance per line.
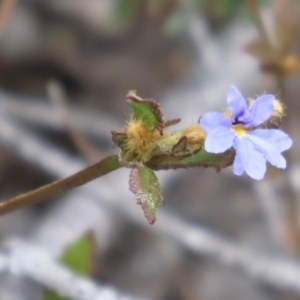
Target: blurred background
x=65, y=69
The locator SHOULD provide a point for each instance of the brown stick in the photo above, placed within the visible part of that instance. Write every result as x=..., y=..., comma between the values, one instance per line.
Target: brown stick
x=253, y=6
x=58, y=97
x=43, y=193
x=5, y=9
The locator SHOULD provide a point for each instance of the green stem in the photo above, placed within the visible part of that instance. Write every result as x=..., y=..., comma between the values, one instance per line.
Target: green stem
x=43, y=193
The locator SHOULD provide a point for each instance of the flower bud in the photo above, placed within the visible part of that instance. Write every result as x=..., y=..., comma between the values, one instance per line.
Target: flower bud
x=195, y=136
x=276, y=117
x=142, y=140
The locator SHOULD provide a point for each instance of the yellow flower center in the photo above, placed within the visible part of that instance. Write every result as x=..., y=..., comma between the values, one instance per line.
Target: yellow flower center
x=239, y=129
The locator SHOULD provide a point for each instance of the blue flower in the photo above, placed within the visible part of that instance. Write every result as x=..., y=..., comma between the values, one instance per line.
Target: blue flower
x=254, y=146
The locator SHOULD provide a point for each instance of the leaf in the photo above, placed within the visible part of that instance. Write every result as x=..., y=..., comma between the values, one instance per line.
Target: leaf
x=180, y=146
x=79, y=257
x=146, y=110
x=144, y=184
x=49, y=295
x=176, y=23
x=198, y=159
x=119, y=139
x=172, y=122
x=125, y=9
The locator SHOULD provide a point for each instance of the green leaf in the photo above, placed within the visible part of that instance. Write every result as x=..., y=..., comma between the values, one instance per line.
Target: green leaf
x=119, y=139
x=176, y=23
x=198, y=159
x=146, y=110
x=180, y=146
x=144, y=184
x=49, y=295
x=78, y=257
x=125, y=9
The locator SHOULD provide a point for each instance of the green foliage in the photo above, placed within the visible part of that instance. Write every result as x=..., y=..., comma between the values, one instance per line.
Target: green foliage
x=222, y=7
x=176, y=23
x=126, y=9
x=198, y=159
x=146, y=110
x=78, y=257
x=144, y=184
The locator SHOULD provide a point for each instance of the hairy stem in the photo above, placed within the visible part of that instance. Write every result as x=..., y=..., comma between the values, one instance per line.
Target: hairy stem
x=43, y=193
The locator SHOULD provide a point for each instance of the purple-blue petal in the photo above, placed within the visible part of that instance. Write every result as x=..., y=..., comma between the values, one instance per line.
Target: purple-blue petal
x=236, y=102
x=212, y=120
x=252, y=160
x=245, y=118
x=269, y=150
x=219, y=140
x=261, y=109
x=238, y=168
x=279, y=139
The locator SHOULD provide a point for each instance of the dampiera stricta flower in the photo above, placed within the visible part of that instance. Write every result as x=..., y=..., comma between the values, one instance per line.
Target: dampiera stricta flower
x=254, y=146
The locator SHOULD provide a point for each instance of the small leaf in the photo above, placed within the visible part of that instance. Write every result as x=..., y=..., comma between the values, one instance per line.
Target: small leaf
x=146, y=110
x=144, y=184
x=176, y=23
x=49, y=295
x=180, y=146
x=119, y=139
x=126, y=9
x=171, y=122
x=79, y=257
x=198, y=159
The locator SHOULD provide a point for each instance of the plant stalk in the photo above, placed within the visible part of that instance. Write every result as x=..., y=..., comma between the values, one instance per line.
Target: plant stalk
x=45, y=192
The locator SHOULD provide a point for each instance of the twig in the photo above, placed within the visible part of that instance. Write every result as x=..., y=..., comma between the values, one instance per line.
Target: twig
x=58, y=97
x=39, y=113
x=43, y=193
x=5, y=9
x=254, y=8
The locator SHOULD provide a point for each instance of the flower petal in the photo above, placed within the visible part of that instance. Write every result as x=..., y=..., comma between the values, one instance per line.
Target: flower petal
x=261, y=109
x=236, y=102
x=238, y=168
x=276, y=137
x=245, y=118
x=269, y=150
x=252, y=160
x=212, y=120
x=219, y=140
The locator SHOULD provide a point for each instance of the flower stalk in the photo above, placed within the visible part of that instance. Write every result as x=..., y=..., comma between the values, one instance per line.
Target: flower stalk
x=43, y=193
